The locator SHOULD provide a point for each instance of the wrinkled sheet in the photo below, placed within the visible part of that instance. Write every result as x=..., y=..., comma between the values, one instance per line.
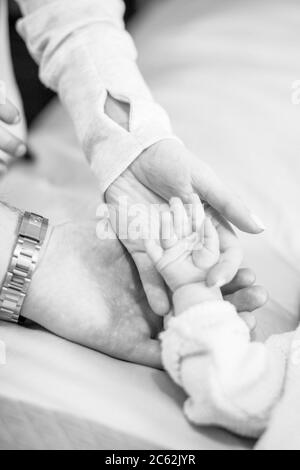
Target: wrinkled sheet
x=224, y=70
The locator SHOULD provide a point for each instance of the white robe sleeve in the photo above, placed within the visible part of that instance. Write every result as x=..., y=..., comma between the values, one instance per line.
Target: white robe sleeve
x=84, y=54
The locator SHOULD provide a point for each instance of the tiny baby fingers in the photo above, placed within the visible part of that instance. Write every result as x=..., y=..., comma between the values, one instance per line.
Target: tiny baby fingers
x=231, y=253
x=168, y=237
x=153, y=284
x=181, y=221
x=206, y=254
x=198, y=214
x=11, y=144
x=211, y=237
x=154, y=250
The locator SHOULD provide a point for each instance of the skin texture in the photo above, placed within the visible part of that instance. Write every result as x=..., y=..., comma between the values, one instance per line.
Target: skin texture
x=168, y=169
x=164, y=170
x=69, y=292
x=88, y=291
x=187, y=248
x=185, y=257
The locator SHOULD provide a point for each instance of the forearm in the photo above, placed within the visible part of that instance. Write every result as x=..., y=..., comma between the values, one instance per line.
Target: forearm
x=9, y=222
x=86, y=55
x=194, y=294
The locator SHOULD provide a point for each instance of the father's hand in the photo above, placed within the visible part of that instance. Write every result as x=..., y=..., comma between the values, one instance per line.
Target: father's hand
x=88, y=291
x=168, y=169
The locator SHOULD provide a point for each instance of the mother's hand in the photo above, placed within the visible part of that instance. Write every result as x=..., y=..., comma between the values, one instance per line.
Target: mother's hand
x=168, y=169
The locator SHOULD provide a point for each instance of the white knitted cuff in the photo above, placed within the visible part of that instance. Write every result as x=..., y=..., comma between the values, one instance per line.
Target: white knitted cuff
x=196, y=331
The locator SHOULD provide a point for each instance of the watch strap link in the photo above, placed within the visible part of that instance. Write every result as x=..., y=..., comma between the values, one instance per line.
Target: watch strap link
x=32, y=233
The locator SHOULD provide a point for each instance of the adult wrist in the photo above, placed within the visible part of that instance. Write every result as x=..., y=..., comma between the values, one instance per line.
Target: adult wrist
x=24, y=257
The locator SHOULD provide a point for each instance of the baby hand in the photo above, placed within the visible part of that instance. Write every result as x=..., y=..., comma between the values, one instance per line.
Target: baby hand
x=188, y=246
x=10, y=146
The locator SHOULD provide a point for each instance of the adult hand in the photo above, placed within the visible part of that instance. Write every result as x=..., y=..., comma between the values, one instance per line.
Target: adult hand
x=88, y=291
x=245, y=295
x=168, y=169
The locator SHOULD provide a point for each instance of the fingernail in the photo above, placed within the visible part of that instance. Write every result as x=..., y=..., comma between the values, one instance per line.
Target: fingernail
x=258, y=222
x=21, y=150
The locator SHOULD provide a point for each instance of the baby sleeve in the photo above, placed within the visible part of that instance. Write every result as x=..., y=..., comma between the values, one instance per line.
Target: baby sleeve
x=230, y=382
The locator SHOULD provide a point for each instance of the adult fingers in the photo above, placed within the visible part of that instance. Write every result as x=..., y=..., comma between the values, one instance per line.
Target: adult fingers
x=9, y=113
x=211, y=189
x=248, y=299
x=244, y=278
x=11, y=144
x=211, y=237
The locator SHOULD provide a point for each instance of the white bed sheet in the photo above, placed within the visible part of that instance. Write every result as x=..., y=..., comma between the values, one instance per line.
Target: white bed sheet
x=55, y=394
x=225, y=77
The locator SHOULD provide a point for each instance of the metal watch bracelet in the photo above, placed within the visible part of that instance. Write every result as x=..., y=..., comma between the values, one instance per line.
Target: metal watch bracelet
x=31, y=236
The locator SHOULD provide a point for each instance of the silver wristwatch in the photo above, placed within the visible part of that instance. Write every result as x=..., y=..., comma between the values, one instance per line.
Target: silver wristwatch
x=31, y=236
